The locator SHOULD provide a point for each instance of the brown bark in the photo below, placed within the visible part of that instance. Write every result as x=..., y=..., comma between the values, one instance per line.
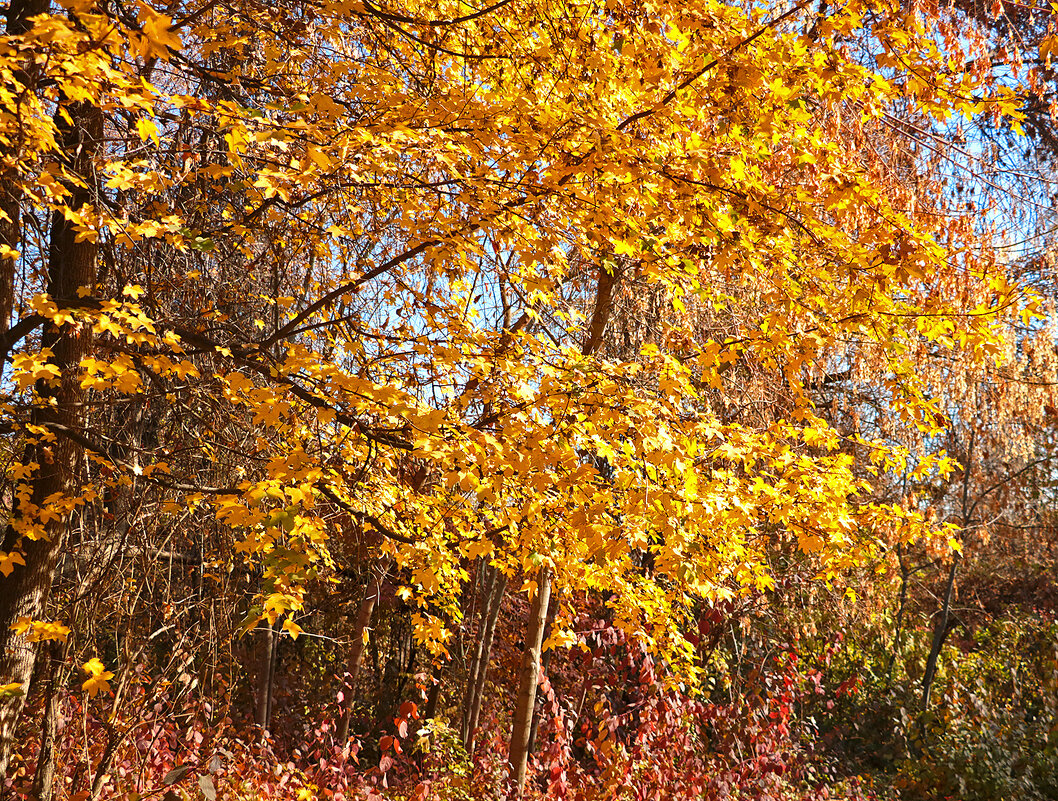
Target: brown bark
x=545, y=660
x=603, y=306
x=943, y=627
x=905, y=576
x=10, y=235
x=529, y=677
x=487, y=580
x=476, y=690
x=71, y=265
x=355, y=656
x=266, y=666
x=44, y=778
x=434, y=696
x=19, y=13
x=940, y=634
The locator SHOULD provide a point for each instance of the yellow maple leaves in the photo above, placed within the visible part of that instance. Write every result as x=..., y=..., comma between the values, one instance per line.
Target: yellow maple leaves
x=119, y=374
x=8, y=561
x=423, y=376
x=158, y=35
x=292, y=628
x=98, y=677
x=29, y=368
x=39, y=630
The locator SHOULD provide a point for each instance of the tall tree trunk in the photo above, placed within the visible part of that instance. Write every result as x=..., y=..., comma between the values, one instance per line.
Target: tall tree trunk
x=545, y=660
x=266, y=666
x=603, y=306
x=530, y=676
x=19, y=13
x=355, y=657
x=905, y=576
x=487, y=579
x=477, y=689
x=434, y=696
x=943, y=627
x=71, y=266
x=940, y=634
x=44, y=778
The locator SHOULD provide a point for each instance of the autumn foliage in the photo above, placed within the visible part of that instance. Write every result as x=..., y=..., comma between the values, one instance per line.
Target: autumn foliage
x=547, y=398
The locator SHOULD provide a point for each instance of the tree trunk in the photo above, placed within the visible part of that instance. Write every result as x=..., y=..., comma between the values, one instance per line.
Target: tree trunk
x=266, y=666
x=44, y=777
x=355, y=657
x=545, y=660
x=905, y=576
x=477, y=689
x=434, y=696
x=19, y=13
x=603, y=306
x=71, y=266
x=530, y=676
x=487, y=578
x=940, y=634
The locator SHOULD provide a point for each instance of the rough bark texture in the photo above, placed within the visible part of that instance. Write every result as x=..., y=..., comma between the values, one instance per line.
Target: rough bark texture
x=355, y=657
x=71, y=265
x=434, y=696
x=940, y=634
x=528, y=680
x=19, y=13
x=603, y=306
x=944, y=619
x=487, y=580
x=266, y=666
x=545, y=660
x=44, y=778
x=476, y=690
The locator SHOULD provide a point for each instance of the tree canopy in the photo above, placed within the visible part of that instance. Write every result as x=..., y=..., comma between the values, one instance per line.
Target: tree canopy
x=643, y=301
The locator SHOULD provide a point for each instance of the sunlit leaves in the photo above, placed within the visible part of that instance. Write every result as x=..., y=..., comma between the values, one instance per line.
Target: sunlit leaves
x=368, y=269
x=9, y=561
x=98, y=677
x=40, y=630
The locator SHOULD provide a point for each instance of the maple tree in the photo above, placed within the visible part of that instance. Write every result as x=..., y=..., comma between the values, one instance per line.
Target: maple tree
x=555, y=289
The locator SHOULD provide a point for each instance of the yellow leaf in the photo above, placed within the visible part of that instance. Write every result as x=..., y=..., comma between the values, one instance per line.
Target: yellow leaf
x=292, y=628
x=8, y=562
x=128, y=383
x=40, y=630
x=477, y=548
x=159, y=36
x=22, y=625
x=98, y=677
x=17, y=472
x=147, y=130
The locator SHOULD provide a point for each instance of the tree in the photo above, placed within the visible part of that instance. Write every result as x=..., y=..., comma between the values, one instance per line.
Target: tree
x=351, y=242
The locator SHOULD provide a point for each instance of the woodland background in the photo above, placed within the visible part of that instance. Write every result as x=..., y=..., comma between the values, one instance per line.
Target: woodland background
x=558, y=398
